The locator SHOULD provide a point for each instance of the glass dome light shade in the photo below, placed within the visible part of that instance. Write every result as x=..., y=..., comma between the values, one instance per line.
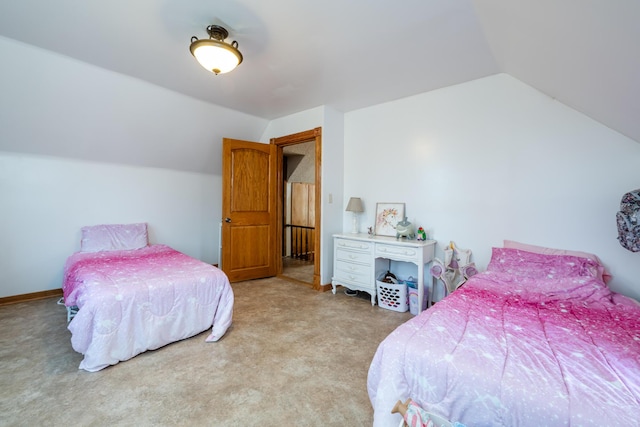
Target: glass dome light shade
x=216, y=56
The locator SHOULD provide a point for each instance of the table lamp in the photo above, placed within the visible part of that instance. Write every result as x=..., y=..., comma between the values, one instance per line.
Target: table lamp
x=355, y=207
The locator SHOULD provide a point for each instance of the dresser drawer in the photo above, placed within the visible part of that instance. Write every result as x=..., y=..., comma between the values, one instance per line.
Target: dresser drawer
x=354, y=273
x=355, y=245
x=353, y=256
x=401, y=253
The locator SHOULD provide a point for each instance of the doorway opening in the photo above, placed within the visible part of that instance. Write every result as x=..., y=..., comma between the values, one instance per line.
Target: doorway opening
x=299, y=206
x=298, y=219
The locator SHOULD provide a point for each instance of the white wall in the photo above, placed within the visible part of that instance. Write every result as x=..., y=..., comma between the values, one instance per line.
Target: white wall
x=294, y=123
x=46, y=200
x=494, y=159
x=333, y=178
x=52, y=105
x=475, y=163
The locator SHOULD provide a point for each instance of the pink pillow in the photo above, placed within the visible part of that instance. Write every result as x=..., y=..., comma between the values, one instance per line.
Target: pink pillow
x=603, y=274
x=542, y=278
x=114, y=237
x=533, y=265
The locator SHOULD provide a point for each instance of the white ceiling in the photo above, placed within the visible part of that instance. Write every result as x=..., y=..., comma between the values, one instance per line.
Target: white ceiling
x=350, y=54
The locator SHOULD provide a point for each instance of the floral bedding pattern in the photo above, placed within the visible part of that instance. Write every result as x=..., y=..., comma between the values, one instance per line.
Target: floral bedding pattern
x=535, y=340
x=131, y=301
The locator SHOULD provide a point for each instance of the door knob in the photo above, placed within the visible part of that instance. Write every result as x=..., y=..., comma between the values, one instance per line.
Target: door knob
x=227, y=220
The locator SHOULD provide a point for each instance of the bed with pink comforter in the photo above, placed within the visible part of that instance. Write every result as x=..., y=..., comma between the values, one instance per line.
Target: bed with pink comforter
x=130, y=301
x=536, y=340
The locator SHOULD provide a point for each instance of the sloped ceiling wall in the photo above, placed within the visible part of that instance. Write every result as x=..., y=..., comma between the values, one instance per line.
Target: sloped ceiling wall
x=345, y=55
x=583, y=53
x=302, y=161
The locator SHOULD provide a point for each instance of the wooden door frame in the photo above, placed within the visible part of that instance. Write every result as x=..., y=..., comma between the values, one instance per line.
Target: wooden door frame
x=314, y=135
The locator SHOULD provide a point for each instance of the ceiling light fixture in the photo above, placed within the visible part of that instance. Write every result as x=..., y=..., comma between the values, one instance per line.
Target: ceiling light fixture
x=214, y=54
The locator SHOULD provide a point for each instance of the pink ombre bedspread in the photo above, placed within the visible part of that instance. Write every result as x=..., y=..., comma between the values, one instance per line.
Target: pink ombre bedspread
x=536, y=340
x=131, y=301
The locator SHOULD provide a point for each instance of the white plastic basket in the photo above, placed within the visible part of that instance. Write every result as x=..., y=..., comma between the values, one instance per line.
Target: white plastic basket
x=392, y=296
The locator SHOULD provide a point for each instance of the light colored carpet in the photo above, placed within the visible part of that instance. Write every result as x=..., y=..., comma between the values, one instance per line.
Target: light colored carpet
x=293, y=356
x=297, y=269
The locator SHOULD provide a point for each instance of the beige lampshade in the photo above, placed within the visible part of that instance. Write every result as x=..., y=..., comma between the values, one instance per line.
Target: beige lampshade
x=354, y=205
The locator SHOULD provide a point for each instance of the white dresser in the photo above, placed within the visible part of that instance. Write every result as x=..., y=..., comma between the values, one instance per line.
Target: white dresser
x=355, y=255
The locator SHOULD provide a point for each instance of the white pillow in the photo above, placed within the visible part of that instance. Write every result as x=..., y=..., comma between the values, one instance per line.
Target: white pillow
x=114, y=237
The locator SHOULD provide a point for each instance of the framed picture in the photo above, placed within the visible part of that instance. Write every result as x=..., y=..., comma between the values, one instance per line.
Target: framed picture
x=388, y=215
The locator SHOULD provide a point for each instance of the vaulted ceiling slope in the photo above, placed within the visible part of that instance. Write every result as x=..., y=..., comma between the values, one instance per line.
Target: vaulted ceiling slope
x=300, y=54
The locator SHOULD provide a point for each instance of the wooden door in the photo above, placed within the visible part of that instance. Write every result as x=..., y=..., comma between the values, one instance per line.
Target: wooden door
x=249, y=210
x=300, y=204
